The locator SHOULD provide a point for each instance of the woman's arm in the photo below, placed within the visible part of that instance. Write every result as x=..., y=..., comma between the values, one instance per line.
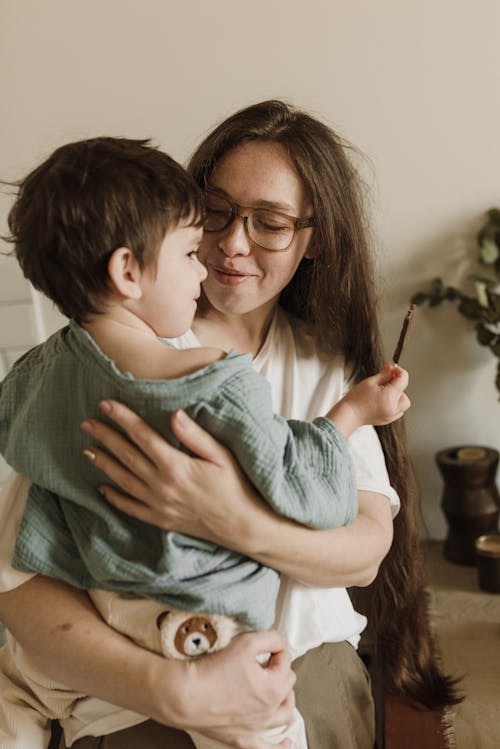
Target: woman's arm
x=209, y=497
x=225, y=695
x=338, y=557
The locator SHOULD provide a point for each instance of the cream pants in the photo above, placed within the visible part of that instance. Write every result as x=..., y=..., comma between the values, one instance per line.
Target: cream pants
x=29, y=700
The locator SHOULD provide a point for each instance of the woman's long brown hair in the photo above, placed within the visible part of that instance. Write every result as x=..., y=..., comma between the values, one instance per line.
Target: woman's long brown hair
x=335, y=294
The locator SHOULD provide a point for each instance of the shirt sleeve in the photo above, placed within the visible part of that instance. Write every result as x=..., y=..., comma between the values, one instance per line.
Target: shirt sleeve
x=369, y=465
x=303, y=470
x=12, y=502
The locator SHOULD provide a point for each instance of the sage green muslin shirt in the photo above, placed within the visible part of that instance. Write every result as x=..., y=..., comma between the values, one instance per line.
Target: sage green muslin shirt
x=303, y=470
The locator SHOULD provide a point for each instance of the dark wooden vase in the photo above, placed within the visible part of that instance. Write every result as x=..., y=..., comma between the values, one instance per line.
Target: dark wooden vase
x=470, y=499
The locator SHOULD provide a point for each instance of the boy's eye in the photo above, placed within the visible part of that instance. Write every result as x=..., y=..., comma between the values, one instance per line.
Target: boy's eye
x=193, y=254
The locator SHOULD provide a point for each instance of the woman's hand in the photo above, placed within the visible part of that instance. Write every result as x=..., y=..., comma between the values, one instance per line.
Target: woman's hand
x=206, y=496
x=235, y=678
x=227, y=695
x=209, y=497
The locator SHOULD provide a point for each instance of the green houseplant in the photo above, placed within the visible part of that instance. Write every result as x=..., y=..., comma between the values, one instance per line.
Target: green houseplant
x=483, y=306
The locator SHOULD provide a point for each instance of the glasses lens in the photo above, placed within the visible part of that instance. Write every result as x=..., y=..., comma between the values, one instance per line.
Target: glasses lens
x=268, y=229
x=271, y=230
x=219, y=213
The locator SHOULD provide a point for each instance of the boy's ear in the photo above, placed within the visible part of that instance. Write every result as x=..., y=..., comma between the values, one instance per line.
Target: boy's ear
x=125, y=274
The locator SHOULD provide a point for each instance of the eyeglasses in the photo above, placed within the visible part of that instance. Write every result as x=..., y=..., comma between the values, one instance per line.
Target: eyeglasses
x=269, y=229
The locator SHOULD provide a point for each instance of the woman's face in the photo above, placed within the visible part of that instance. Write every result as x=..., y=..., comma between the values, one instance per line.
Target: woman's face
x=243, y=277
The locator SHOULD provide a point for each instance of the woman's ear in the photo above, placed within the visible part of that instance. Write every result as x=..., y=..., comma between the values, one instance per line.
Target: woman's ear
x=125, y=274
x=310, y=253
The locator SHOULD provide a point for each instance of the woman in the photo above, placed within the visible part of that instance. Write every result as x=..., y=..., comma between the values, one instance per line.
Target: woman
x=267, y=165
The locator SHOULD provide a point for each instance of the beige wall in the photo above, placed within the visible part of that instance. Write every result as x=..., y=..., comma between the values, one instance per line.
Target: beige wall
x=413, y=83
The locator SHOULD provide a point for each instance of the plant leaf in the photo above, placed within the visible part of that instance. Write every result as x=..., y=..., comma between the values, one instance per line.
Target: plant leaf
x=494, y=216
x=489, y=251
x=470, y=308
x=484, y=336
x=419, y=298
x=452, y=294
x=482, y=294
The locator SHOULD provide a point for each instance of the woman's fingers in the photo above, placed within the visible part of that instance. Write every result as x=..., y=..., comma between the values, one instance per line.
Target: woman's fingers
x=127, y=466
x=151, y=444
x=174, y=491
x=121, y=447
x=200, y=442
x=153, y=447
x=133, y=507
x=117, y=472
x=156, y=481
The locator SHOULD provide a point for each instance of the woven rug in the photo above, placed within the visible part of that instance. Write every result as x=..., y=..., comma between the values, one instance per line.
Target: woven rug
x=467, y=624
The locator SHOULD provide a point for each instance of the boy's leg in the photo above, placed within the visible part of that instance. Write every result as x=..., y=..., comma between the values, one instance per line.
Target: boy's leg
x=296, y=732
x=24, y=723
x=334, y=696
x=147, y=735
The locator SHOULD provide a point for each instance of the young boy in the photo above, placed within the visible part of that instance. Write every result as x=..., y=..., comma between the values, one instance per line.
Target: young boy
x=109, y=230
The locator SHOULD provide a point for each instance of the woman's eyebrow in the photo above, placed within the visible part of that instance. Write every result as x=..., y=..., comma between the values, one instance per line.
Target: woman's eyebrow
x=274, y=204
x=285, y=207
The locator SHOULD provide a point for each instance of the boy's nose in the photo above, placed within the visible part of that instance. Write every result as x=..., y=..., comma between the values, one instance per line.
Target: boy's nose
x=202, y=270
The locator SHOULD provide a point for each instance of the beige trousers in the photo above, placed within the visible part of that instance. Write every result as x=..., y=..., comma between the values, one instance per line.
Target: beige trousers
x=332, y=692
x=29, y=700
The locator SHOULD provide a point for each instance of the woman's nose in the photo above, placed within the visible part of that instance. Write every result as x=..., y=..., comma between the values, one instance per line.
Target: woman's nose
x=235, y=240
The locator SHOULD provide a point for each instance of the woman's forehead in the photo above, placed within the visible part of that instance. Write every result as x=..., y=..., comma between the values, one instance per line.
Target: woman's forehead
x=260, y=171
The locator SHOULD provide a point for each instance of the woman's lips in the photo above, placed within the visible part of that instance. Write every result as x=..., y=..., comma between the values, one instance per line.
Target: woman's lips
x=230, y=277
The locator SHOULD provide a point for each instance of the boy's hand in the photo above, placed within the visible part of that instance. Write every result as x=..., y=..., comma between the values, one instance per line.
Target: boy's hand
x=377, y=400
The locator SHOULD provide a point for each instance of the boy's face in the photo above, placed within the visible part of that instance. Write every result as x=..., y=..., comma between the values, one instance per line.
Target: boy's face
x=171, y=290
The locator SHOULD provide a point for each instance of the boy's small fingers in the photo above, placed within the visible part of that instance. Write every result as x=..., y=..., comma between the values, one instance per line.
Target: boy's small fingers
x=400, y=378
x=405, y=402
x=385, y=376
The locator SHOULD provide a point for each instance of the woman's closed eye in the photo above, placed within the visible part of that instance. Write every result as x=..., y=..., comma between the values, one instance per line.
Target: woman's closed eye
x=266, y=221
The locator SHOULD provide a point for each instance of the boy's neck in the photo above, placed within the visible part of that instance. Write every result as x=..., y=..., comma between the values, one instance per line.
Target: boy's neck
x=136, y=349
x=116, y=320
x=244, y=332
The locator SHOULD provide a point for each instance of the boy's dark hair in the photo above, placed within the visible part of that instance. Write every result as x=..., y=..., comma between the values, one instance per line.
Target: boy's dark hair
x=86, y=200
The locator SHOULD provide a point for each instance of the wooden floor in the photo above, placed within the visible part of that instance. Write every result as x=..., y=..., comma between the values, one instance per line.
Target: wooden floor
x=399, y=725
x=408, y=728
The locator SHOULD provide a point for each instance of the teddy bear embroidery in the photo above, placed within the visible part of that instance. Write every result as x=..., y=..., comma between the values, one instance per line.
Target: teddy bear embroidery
x=187, y=635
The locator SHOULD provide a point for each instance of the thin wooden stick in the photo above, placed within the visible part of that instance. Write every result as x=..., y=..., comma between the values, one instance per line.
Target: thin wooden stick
x=403, y=336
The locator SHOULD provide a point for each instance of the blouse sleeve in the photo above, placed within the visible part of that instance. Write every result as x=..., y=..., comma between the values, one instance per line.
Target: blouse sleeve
x=369, y=465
